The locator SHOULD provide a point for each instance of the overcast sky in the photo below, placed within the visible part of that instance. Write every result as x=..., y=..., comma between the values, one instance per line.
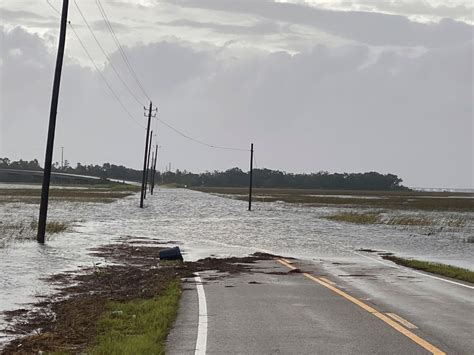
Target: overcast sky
x=340, y=86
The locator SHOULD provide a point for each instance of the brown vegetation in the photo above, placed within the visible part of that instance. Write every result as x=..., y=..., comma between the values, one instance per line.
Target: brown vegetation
x=402, y=200
x=68, y=322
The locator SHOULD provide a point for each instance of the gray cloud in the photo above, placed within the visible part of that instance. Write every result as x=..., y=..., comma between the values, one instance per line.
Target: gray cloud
x=424, y=8
x=14, y=15
x=118, y=27
x=365, y=27
x=260, y=28
x=335, y=109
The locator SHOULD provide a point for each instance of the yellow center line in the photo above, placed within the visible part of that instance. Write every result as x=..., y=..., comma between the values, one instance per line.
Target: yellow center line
x=327, y=280
x=402, y=320
x=412, y=336
x=285, y=263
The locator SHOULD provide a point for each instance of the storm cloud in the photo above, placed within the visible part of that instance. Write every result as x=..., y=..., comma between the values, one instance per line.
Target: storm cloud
x=392, y=95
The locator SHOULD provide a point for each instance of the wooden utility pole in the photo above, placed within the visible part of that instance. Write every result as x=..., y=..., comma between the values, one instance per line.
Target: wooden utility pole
x=62, y=158
x=151, y=170
x=142, y=196
x=251, y=177
x=52, y=127
x=148, y=164
x=154, y=170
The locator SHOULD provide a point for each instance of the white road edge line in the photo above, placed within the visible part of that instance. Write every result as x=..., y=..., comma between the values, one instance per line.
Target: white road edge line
x=201, y=341
x=415, y=272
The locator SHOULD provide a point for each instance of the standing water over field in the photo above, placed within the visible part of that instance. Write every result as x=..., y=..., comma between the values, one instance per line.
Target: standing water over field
x=203, y=225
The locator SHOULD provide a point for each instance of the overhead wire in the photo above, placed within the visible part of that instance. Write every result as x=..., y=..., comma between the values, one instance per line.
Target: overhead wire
x=199, y=141
x=120, y=48
x=104, y=15
x=53, y=7
x=106, y=55
x=114, y=94
x=103, y=77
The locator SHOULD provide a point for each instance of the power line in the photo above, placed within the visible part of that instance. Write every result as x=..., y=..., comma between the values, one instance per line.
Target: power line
x=103, y=77
x=104, y=15
x=198, y=141
x=52, y=6
x=120, y=48
x=97, y=68
x=107, y=56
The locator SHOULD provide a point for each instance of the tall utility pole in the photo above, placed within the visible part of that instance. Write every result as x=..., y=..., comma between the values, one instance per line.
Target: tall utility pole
x=52, y=127
x=251, y=177
x=148, y=164
x=151, y=170
x=150, y=114
x=154, y=170
x=62, y=158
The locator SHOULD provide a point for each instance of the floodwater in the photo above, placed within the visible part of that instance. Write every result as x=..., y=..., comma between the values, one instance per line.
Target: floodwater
x=203, y=225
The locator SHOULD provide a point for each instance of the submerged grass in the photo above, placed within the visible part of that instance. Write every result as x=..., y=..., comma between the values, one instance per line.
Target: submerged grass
x=25, y=230
x=139, y=326
x=453, y=272
x=377, y=218
x=359, y=218
x=51, y=227
x=91, y=194
x=409, y=221
x=402, y=200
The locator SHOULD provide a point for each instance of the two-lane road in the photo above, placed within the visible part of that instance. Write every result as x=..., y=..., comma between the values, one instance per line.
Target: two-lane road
x=272, y=311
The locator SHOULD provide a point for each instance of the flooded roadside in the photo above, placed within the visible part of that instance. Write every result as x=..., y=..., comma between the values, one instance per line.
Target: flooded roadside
x=203, y=225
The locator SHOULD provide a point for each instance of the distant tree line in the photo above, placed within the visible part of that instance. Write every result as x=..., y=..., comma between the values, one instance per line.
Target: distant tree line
x=234, y=177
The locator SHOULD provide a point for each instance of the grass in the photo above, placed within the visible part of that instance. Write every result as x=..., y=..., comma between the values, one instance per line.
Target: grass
x=26, y=230
x=376, y=218
x=456, y=223
x=96, y=194
x=402, y=200
x=359, y=218
x=121, y=187
x=450, y=271
x=51, y=227
x=409, y=221
x=138, y=326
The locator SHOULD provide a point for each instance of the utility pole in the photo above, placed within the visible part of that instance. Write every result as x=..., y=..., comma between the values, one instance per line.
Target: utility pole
x=251, y=177
x=150, y=114
x=151, y=170
x=154, y=170
x=52, y=127
x=148, y=164
x=62, y=158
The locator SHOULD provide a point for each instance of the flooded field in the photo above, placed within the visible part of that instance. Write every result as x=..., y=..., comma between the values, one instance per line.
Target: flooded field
x=205, y=224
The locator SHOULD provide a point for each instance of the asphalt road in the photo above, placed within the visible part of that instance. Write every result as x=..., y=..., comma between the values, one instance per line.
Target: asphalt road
x=329, y=308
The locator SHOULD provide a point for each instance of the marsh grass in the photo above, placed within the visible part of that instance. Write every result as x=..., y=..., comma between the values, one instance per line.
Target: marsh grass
x=121, y=187
x=409, y=221
x=402, y=200
x=378, y=218
x=359, y=218
x=27, y=231
x=450, y=271
x=96, y=195
x=51, y=227
x=456, y=223
x=139, y=326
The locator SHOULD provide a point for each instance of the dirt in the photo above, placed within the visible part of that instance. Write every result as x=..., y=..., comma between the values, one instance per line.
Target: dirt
x=67, y=321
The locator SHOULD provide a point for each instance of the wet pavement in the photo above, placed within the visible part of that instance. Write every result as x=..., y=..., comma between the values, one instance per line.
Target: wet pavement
x=272, y=311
